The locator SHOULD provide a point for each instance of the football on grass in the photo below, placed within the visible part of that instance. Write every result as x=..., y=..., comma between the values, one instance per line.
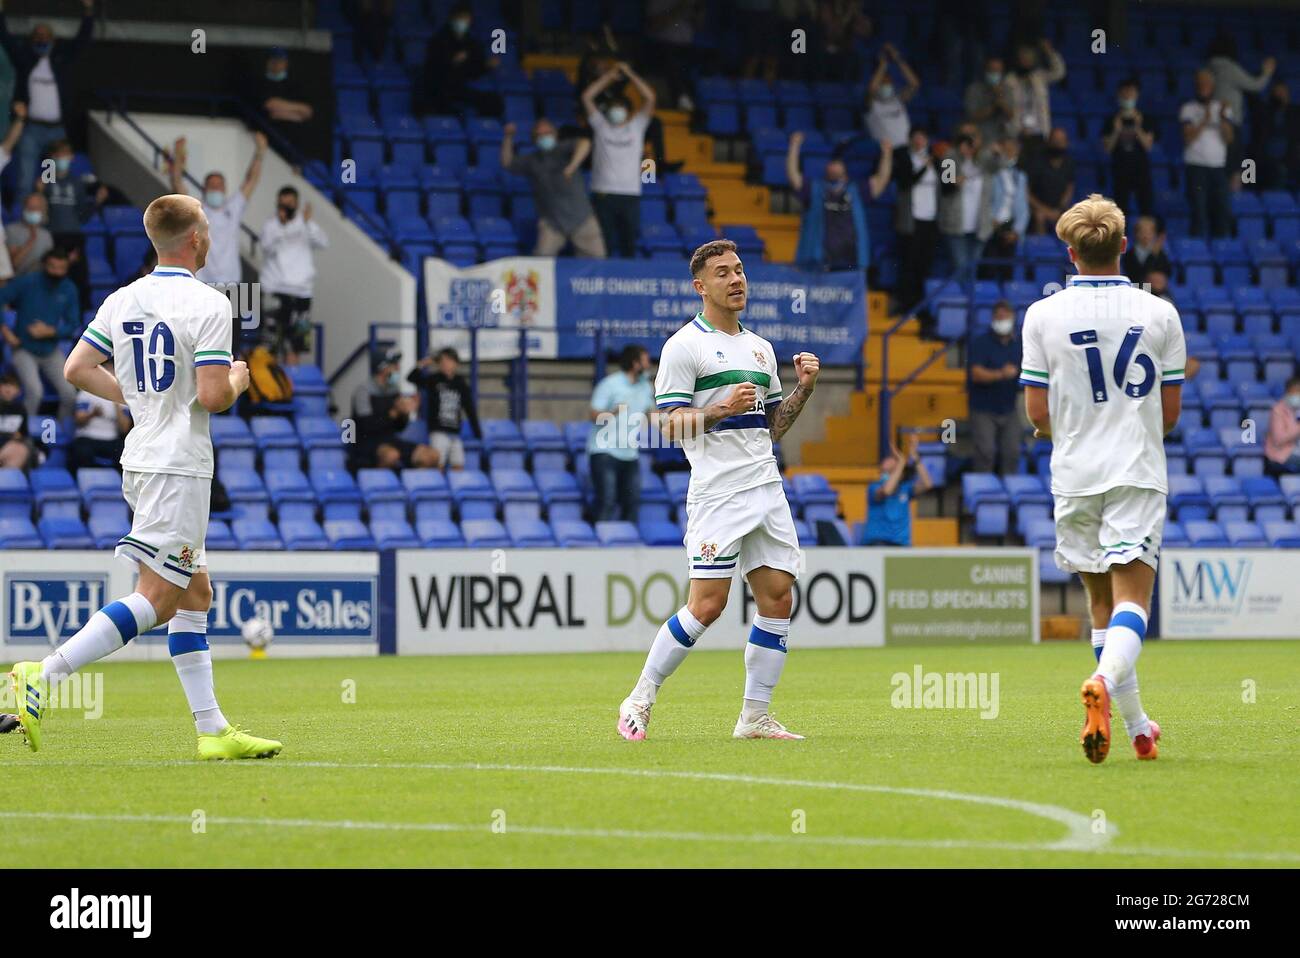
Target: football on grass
x=257, y=633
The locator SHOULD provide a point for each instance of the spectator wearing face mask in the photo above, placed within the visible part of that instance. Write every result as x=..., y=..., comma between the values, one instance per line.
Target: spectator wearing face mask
x=1147, y=254
x=1282, y=445
x=1008, y=208
x=966, y=204
x=833, y=233
x=27, y=242
x=618, y=145
x=1208, y=129
x=1128, y=136
x=288, y=277
x=1036, y=68
x=455, y=59
x=619, y=407
x=224, y=210
x=887, y=119
x=564, y=212
x=284, y=102
x=994, y=376
x=72, y=201
x=41, y=66
x=988, y=104
x=382, y=411
x=47, y=311
x=1051, y=182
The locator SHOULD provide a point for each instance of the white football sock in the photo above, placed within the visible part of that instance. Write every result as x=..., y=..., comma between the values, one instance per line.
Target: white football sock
x=764, y=660
x=676, y=638
x=107, y=631
x=187, y=641
x=1119, y=655
x=1126, y=695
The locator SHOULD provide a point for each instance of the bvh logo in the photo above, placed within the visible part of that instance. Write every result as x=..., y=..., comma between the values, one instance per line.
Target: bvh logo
x=1210, y=585
x=47, y=608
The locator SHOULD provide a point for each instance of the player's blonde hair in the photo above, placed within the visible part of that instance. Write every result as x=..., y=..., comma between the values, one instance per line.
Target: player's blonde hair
x=1094, y=229
x=171, y=218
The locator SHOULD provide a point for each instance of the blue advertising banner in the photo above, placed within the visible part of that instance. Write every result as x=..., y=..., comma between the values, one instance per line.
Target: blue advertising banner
x=566, y=302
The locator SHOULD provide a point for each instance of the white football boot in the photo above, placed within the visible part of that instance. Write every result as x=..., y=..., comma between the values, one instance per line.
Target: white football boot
x=634, y=719
x=765, y=726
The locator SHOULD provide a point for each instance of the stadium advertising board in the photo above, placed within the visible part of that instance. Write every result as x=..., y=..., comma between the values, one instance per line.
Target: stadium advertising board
x=961, y=595
x=316, y=604
x=633, y=301
x=583, y=600
x=1229, y=594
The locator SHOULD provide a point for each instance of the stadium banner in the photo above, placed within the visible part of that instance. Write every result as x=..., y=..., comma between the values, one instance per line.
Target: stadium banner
x=633, y=301
x=1229, y=594
x=940, y=597
x=317, y=604
x=473, y=601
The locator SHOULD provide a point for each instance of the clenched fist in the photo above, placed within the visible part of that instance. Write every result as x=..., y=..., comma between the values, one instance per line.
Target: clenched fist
x=239, y=376
x=741, y=399
x=806, y=367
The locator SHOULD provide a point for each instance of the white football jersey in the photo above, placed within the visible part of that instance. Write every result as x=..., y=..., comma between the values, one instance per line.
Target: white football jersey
x=157, y=331
x=699, y=366
x=1103, y=348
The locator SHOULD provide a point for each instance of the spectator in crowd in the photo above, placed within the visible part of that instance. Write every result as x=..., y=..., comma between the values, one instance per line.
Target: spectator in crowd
x=837, y=60
x=27, y=242
x=1051, y=182
x=284, y=101
x=1158, y=281
x=916, y=213
x=887, y=120
x=371, y=21
x=288, y=275
x=903, y=477
x=1009, y=208
x=72, y=201
x=101, y=427
x=994, y=374
x=1277, y=140
x=1128, y=136
x=6, y=151
x=1231, y=81
x=988, y=103
x=382, y=411
x=1036, y=68
x=41, y=66
x=16, y=448
x=47, y=311
x=1282, y=445
x=966, y=204
x=1147, y=254
x=619, y=407
x=756, y=24
x=599, y=59
x=224, y=210
x=670, y=32
x=833, y=233
x=450, y=402
x=618, y=137
x=564, y=212
x=454, y=60
x=1207, y=131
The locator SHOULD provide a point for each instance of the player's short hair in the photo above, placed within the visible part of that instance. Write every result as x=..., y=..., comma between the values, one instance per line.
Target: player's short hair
x=709, y=250
x=55, y=252
x=630, y=356
x=448, y=353
x=1003, y=304
x=171, y=218
x=1094, y=229
x=287, y=191
x=10, y=379
x=58, y=146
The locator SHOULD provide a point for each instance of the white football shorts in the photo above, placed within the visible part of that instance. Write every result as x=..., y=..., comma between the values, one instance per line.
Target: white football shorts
x=747, y=529
x=170, y=524
x=1115, y=527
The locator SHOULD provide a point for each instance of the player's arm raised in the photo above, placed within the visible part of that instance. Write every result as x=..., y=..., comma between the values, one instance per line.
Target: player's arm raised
x=84, y=369
x=219, y=386
x=779, y=420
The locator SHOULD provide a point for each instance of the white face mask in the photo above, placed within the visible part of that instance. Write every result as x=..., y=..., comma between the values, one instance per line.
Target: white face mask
x=1003, y=327
x=1294, y=400
x=617, y=114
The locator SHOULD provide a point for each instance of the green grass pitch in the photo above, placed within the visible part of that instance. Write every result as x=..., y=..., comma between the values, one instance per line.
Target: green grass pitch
x=514, y=761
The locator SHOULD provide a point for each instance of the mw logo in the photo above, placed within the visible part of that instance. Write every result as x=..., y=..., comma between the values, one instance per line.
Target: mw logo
x=1212, y=582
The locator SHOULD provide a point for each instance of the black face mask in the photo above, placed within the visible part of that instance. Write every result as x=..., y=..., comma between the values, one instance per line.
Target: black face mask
x=909, y=472
x=1056, y=151
x=288, y=211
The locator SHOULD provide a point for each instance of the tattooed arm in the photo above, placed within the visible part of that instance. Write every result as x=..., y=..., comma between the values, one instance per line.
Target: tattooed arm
x=687, y=423
x=779, y=420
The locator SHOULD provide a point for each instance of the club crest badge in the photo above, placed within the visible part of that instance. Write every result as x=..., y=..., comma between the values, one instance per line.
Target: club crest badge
x=185, y=559
x=760, y=359
x=708, y=551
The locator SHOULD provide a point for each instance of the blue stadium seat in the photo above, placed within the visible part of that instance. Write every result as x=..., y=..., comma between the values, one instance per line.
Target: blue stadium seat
x=617, y=534
x=19, y=533
x=1267, y=503
x=229, y=431
x=502, y=434
x=334, y=485
x=1245, y=535
x=303, y=534
x=55, y=484
x=574, y=533
x=319, y=432
x=108, y=522
x=65, y=533
x=348, y=535
x=274, y=432
x=391, y=533
x=485, y=534
x=1203, y=534
x=1290, y=488
x=307, y=380
x=575, y=436
x=380, y=485
x=243, y=486
x=424, y=485
x=803, y=531
x=1227, y=499
x=529, y=533
x=326, y=460
x=439, y=534
x=220, y=538
x=98, y=483
x=676, y=484
x=288, y=485
x=1282, y=535
x=1188, y=498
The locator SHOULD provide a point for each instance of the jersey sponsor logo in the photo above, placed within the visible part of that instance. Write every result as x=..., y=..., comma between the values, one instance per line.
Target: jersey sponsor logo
x=46, y=607
x=722, y=357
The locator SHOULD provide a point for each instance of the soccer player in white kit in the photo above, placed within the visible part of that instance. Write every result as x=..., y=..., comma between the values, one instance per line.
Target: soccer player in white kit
x=1103, y=366
x=718, y=392
x=168, y=338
